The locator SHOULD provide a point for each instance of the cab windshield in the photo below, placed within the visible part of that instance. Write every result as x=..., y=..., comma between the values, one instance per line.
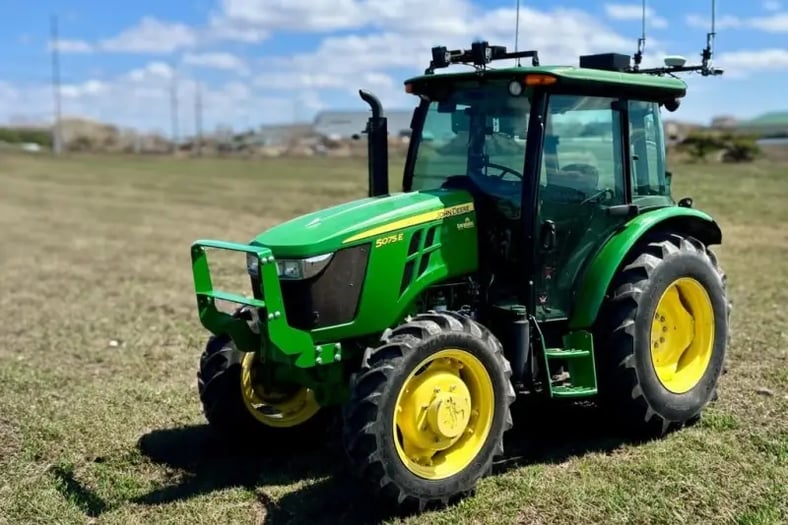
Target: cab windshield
x=475, y=137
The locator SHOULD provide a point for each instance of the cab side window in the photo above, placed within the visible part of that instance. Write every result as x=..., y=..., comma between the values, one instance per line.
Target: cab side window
x=647, y=143
x=583, y=155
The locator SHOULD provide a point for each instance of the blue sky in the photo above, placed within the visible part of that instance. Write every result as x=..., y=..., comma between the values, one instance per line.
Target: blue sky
x=264, y=61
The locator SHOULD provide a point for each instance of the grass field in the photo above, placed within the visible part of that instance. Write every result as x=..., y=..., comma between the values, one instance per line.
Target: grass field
x=100, y=420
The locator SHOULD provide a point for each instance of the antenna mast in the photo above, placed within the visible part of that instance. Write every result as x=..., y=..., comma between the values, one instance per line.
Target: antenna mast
x=641, y=40
x=707, y=68
x=517, y=32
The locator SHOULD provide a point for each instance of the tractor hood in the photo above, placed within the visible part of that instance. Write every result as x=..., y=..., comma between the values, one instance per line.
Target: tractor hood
x=359, y=221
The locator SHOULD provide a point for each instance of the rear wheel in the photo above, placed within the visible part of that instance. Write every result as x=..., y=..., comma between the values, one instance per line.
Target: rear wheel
x=663, y=336
x=428, y=410
x=237, y=405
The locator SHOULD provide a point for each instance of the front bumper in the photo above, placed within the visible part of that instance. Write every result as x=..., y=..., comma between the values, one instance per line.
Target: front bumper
x=268, y=332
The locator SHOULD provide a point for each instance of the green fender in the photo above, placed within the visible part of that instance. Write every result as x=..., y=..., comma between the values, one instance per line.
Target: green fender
x=594, y=283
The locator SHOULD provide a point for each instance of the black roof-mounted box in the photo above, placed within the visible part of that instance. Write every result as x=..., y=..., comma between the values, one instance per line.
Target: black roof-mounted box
x=606, y=61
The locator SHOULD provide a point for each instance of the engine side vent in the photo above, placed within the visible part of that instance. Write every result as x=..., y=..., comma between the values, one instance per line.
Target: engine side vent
x=407, y=276
x=431, y=236
x=415, y=241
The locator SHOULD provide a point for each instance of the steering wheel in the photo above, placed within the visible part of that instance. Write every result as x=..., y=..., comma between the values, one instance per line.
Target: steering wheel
x=595, y=196
x=504, y=170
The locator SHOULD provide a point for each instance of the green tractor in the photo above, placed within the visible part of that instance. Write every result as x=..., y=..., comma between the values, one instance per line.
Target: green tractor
x=534, y=250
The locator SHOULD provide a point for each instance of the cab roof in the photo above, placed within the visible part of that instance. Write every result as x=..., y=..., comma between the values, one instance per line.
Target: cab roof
x=610, y=74
x=568, y=78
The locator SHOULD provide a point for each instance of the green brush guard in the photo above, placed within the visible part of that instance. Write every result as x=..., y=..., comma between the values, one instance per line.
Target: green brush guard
x=278, y=341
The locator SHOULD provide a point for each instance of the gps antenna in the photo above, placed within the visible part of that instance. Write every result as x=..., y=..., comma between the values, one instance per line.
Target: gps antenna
x=641, y=40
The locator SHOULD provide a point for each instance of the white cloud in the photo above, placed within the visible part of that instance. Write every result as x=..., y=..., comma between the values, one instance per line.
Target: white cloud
x=772, y=5
x=221, y=29
x=721, y=22
x=342, y=62
x=774, y=59
x=159, y=69
x=282, y=80
x=292, y=15
x=635, y=12
x=71, y=46
x=151, y=35
x=85, y=89
x=145, y=95
x=777, y=23
x=217, y=60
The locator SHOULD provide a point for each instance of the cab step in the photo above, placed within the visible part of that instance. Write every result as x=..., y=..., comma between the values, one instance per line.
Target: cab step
x=565, y=391
x=578, y=360
x=566, y=353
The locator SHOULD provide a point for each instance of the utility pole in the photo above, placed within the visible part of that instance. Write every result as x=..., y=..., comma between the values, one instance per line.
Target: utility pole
x=198, y=115
x=174, y=109
x=57, y=138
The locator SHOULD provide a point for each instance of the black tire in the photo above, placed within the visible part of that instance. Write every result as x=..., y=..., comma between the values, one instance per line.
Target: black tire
x=368, y=415
x=219, y=387
x=629, y=386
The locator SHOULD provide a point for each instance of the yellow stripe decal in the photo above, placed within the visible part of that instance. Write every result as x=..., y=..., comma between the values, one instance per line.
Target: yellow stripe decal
x=421, y=218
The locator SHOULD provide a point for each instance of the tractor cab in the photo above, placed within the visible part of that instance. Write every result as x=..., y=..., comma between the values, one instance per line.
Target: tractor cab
x=556, y=158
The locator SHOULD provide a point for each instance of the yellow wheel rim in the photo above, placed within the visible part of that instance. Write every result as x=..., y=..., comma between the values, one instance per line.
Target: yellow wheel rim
x=443, y=414
x=275, y=410
x=682, y=335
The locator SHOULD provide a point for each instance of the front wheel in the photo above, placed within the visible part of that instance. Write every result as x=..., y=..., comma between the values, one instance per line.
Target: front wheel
x=428, y=410
x=236, y=404
x=663, y=336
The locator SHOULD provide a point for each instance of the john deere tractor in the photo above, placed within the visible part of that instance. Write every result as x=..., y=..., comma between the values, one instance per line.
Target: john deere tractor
x=534, y=250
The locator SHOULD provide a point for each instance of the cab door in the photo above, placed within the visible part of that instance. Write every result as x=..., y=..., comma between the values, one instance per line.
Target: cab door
x=582, y=176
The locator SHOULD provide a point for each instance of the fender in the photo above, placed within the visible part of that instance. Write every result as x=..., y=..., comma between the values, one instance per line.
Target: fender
x=596, y=279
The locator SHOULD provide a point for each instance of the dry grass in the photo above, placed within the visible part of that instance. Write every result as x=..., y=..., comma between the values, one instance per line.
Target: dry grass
x=97, y=250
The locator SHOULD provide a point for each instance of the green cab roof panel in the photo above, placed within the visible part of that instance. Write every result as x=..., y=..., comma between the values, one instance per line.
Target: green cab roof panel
x=570, y=76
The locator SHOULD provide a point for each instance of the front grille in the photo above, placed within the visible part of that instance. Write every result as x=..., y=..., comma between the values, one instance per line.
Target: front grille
x=331, y=297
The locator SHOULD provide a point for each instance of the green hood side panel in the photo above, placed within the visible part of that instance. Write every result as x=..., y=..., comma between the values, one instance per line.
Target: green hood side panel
x=416, y=240
x=596, y=279
x=329, y=229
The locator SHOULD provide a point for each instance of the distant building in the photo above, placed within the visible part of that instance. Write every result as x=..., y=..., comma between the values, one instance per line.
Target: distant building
x=676, y=132
x=280, y=134
x=343, y=125
x=725, y=122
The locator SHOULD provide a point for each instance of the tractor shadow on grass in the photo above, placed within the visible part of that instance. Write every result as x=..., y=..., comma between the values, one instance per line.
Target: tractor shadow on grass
x=553, y=432
x=544, y=433
x=204, y=464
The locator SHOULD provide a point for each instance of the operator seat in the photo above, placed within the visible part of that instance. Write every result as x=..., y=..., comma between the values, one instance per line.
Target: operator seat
x=572, y=183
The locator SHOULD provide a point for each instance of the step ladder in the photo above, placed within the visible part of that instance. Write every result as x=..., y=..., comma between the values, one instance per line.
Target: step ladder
x=578, y=357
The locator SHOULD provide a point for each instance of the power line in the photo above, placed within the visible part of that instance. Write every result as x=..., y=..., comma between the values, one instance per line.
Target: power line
x=57, y=139
x=198, y=115
x=174, y=109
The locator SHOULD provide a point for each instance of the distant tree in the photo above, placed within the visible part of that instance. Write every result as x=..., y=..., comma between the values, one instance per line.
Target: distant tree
x=740, y=148
x=734, y=147
x=24, y=135
x=699, y=145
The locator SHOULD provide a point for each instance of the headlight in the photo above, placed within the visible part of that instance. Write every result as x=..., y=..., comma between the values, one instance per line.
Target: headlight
x=253, y=264
x=292, y=269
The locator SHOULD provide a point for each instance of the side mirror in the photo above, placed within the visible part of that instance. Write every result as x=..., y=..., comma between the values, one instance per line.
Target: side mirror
x=672, y=104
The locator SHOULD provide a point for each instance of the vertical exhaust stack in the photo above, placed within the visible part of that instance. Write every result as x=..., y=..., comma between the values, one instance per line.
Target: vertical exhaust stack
x=377, y=146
